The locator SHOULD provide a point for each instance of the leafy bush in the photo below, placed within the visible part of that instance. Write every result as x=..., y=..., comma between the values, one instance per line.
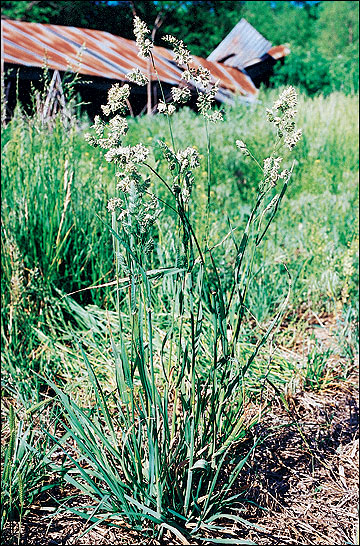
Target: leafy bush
x=314, y=74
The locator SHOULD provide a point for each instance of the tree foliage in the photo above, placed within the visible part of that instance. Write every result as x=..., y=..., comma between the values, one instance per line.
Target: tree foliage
x=282, y=22
x=329, y=59
x=337, y=28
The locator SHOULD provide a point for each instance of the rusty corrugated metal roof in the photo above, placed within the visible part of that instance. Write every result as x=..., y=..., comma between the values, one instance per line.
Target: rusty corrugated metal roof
x=99, y=53
x=245, y=46
x=278, y=52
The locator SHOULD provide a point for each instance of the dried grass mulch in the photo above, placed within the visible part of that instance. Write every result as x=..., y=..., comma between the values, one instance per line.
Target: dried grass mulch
x=304, y=475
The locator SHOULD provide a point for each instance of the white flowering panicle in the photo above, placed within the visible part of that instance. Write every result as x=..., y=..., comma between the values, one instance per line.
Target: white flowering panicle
x=199, y=76
x=181, y=53
x=271, y=174
x=215, y=116
x=183, y=56
x=134, y=211
x=125, y=182
x=99, y=126
x=167, y=109
x=114, y=203
x=285, y=175
x=187, y=75
x=206, y=101
x=180, y=94
x=188, y=158
x=127, y=156
x=287, y=99
x=144, y=43
x=118, y=125
x=242, y=147
x=291, y=139
x=117, y=97
x=282, y=114
x=136, y=76
x=91, y=139
x=202, y=76
x=181, y=164
x=271, y=169
x=117, y=128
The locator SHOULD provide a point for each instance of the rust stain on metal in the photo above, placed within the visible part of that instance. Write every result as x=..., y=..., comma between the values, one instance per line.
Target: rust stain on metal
x=98, y=53
x=278, y=52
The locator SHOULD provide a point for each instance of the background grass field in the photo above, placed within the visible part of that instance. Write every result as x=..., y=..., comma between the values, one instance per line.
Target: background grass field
x=54, y=243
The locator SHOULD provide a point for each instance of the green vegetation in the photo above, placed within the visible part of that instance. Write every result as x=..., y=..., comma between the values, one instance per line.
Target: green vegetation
x=143, y=343
x=55, y=242
x=25, y=459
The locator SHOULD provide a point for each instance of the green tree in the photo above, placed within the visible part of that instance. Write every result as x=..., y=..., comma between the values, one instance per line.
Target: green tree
x=329, y=60
x=37, y=11
x=306, y=69
x=101, y=15
x=337, y=28
x=203, y=24
x=283, y=22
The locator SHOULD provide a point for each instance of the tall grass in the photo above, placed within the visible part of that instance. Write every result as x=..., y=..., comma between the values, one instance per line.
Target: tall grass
x=50, y=236
x=162, y=448
x=195, y=297
x=316, y=229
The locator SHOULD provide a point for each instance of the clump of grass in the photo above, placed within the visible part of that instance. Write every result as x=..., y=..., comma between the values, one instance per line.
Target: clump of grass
x=52, y=241
x=161, y=449
x=317, y=372
x=25, y=461
x=315, y=232
x=42, y=210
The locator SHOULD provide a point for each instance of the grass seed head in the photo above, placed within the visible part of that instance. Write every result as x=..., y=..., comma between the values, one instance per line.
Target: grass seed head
x=181, y=53
x=138, y=77
x=144, y=44
x=181, y=94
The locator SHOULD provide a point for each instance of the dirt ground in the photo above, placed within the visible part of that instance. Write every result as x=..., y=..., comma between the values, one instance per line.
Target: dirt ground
x=300, y=486
x=302, y=483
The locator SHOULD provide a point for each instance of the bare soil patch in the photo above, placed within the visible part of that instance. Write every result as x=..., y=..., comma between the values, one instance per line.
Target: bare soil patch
x=306, y=473
x=301, y=484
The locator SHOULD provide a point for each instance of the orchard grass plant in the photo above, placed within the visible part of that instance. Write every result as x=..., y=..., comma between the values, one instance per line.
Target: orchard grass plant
x=315, y=232
x=164, y=449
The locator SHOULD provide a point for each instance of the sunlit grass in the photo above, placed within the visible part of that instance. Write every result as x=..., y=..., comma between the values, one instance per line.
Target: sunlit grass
x=55, y=189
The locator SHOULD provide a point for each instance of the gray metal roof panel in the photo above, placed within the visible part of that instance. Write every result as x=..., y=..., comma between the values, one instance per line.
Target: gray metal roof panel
x=243, y=44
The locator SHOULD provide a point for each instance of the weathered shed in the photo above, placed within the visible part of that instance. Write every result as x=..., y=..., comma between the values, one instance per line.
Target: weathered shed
x=103, y=58
x=247, y=50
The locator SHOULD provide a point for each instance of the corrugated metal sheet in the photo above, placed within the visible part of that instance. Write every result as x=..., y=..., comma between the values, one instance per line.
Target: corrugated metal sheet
x=98, y=53
x=244, y=46
x=278, y=52
x=240, y=46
